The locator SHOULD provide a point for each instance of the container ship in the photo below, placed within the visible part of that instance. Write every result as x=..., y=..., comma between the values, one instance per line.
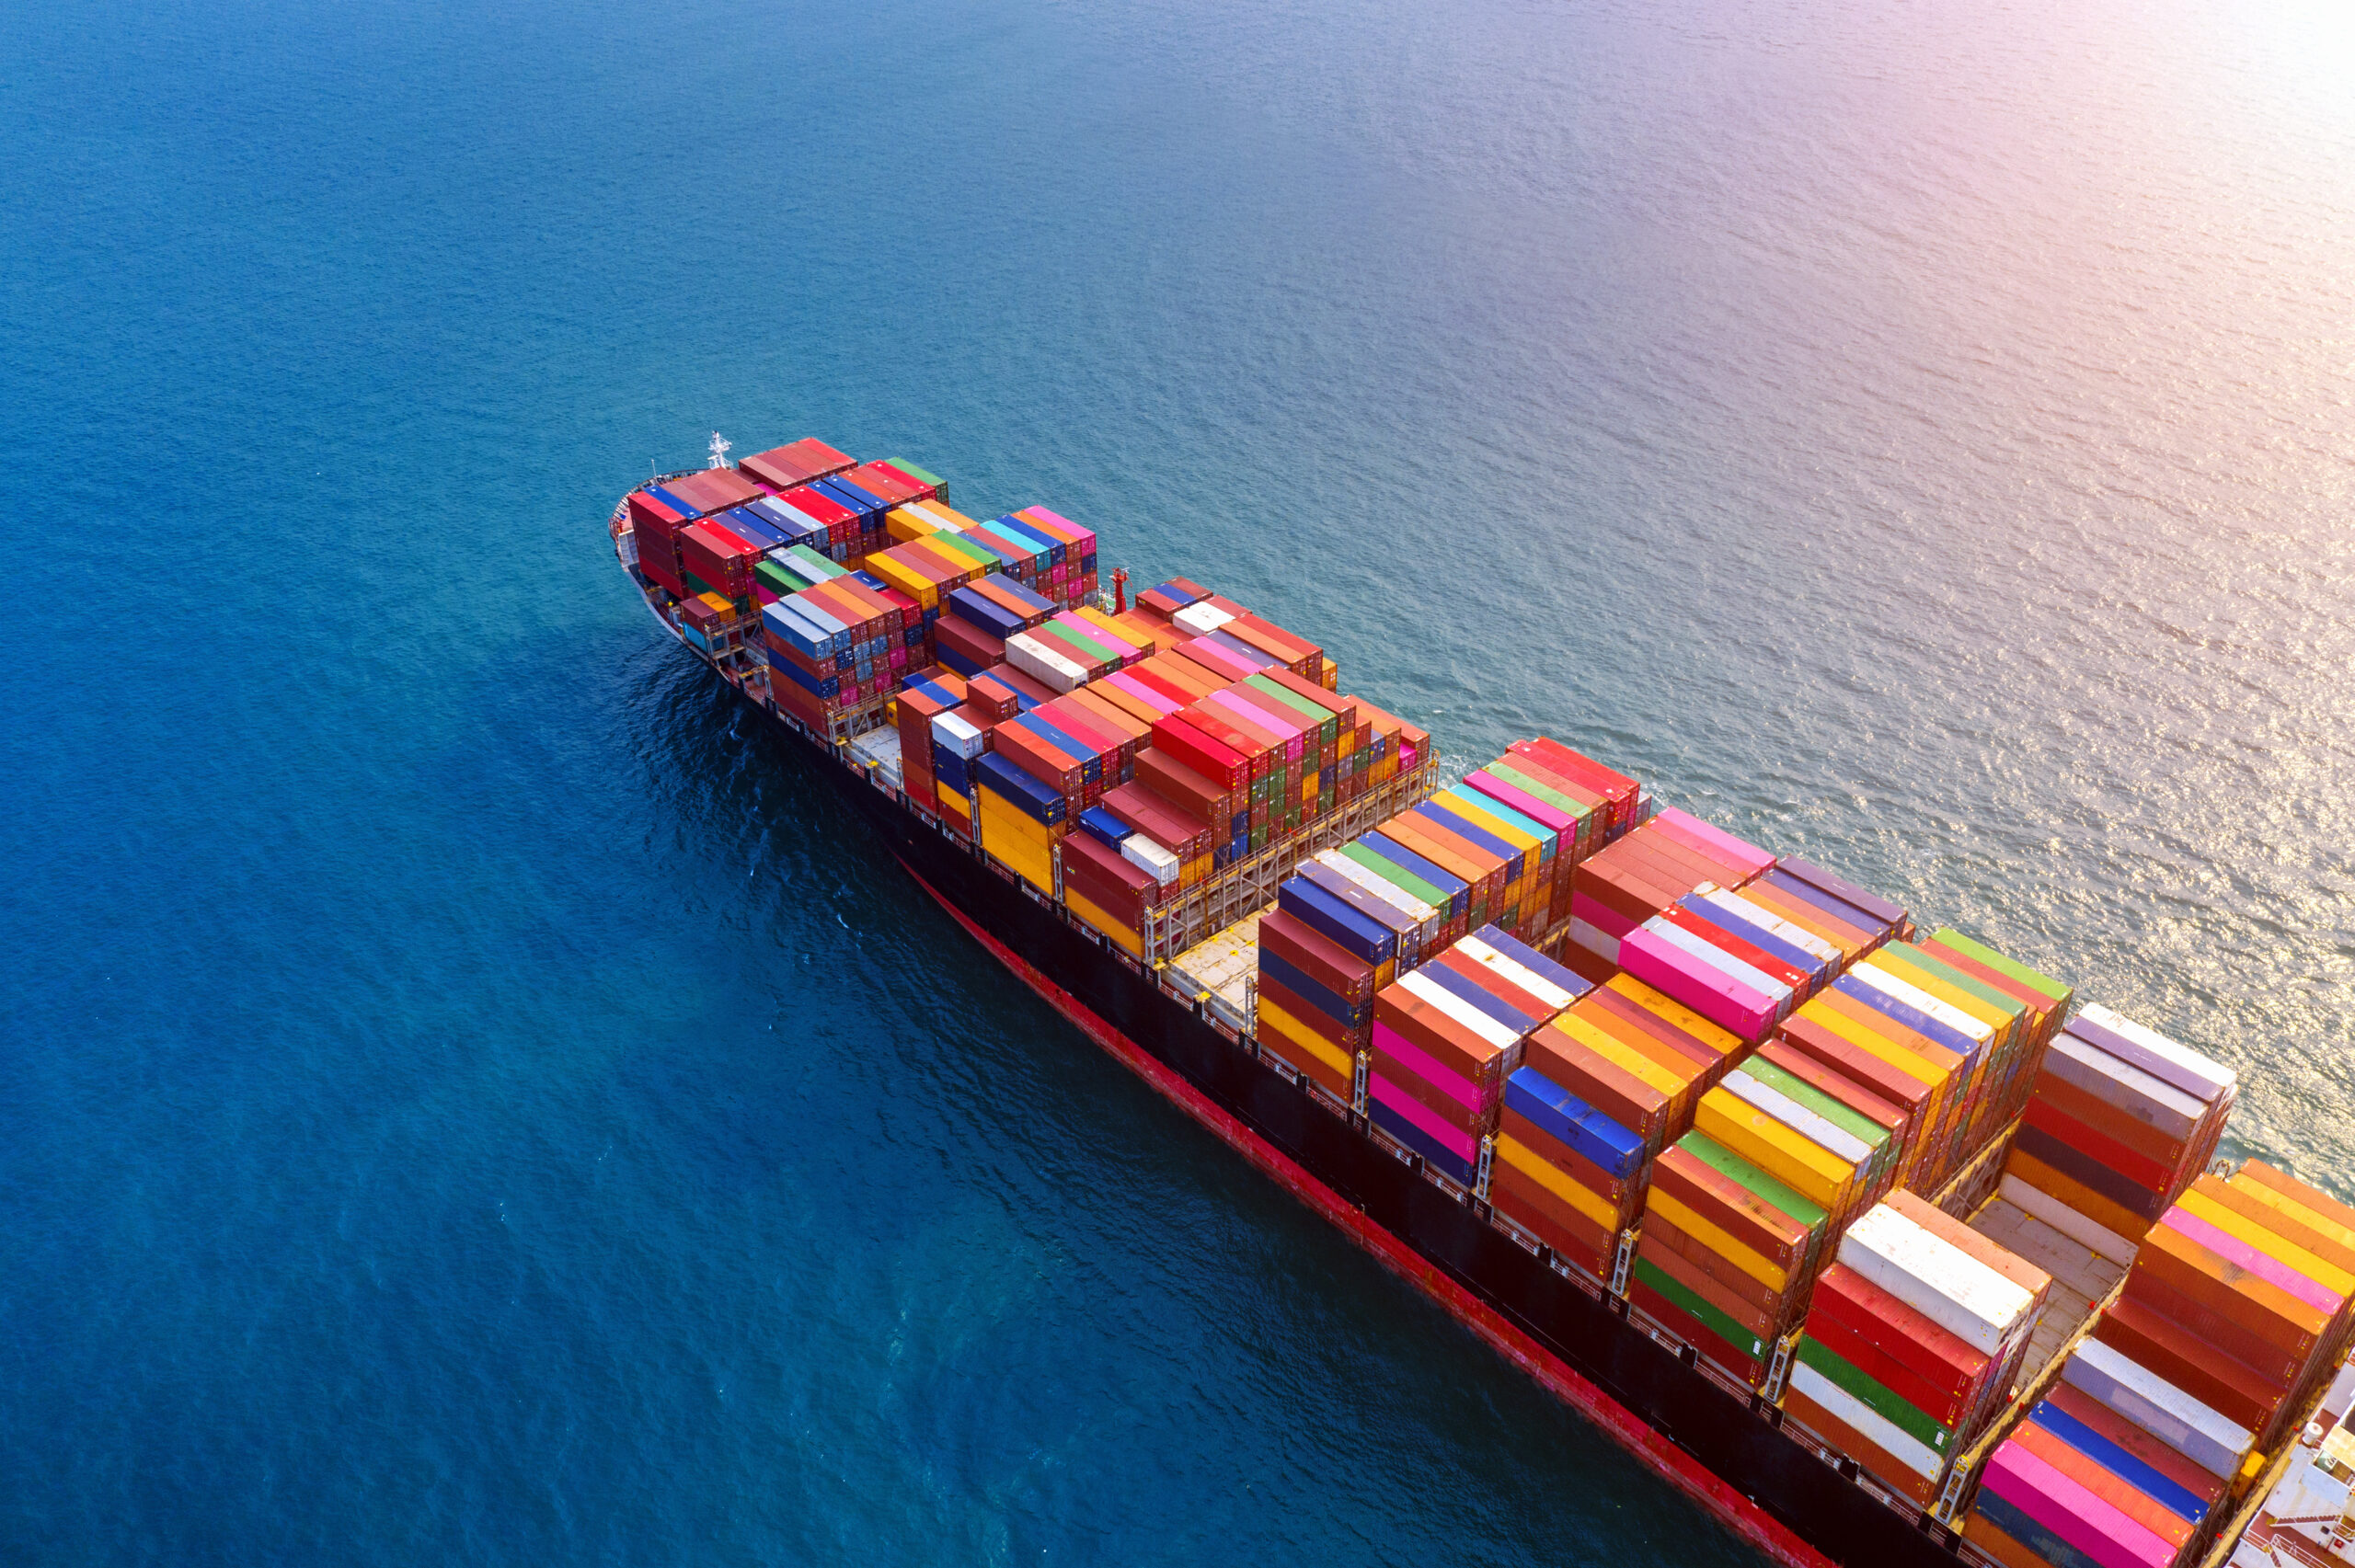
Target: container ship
x=1882, y=1246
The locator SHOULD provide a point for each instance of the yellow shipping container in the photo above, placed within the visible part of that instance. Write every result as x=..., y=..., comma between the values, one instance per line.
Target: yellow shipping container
x=1018, y=841
x=1292, y=1038
x=1538, y=1168
x=1125, y=936
x=1783, y=1152
x=1751, y=1262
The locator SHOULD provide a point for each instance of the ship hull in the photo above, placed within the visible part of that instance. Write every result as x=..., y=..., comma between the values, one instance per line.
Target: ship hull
x=1721, y=1450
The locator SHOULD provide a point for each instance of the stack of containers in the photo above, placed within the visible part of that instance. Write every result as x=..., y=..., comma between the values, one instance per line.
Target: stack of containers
x=821, y=509
x=2046, y=998
x=1314, y=1006
x=784, y=468
x=1206, y=740
x=1111, y=877
x=1179, y=830
x=1018, y=819
x=2016, y=1027
x=654, y=523
x=2238, y=1299
x=1196, y=793
x=713, y=558
x=1815, y=1150
x=1467, y=853
x=1071, y=766
x=854, y=518
x=2117, y=1466
x=923, y=699
x=1741, y=1215
x=1915, y=1339
x=1446, y=1039
x=958, y=738
x=1534, y=851
x=1601, y=1090
x=1111, y=735
x=837, y=645
x=708, y=620
x=1296, y=655
x=1913, y=1075
x=1072, y=579
x=1025, y=555
x=1645, y=870
x=895, y=480
x=1892, y=993
x=1619, y=799
x=925, y=571
x=2118, y=1119
x=969, y=634
x=1571, y=817
x=1809, y=1140
x=709, y=490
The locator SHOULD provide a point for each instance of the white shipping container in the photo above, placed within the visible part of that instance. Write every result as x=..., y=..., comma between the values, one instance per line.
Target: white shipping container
x=1043, y=664
x=1594, y=940
x=1936, y=1278
x=958, y=736
x=1426, y=989
x=1150, y=857
x=1201, y=620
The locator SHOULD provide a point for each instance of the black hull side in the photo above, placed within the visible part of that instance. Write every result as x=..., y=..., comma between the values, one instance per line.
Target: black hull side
x=1719, y=1431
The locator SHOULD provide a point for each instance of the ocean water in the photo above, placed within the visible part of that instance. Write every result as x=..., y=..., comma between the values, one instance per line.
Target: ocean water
x=466, y=1097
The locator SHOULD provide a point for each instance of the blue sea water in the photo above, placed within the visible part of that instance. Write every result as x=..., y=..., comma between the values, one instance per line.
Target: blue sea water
x=465, y=1097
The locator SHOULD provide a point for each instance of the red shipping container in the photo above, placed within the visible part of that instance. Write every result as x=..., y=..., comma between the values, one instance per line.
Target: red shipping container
x=1188, y=746
x=714, y=489
x=1616, y=1093
x=1172, y=781
x=781, y=468
x=1317, y=957
x=1179, y=832
x=1039, y=757
x=2201, y=1369
x=719, y=557
x=968, y=641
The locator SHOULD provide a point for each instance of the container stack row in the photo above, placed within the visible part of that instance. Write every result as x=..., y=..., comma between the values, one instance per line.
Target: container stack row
x=1602, y=1090
x=1927, y=1034
x=2118, y=1119
x=2238, y=1299
x=2234, y=1317
x=1446, y=1037
x=846, y=641
x=1911, y=1343
x=1824, y=1150
x=1492, y=851
x=2045, y=1000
